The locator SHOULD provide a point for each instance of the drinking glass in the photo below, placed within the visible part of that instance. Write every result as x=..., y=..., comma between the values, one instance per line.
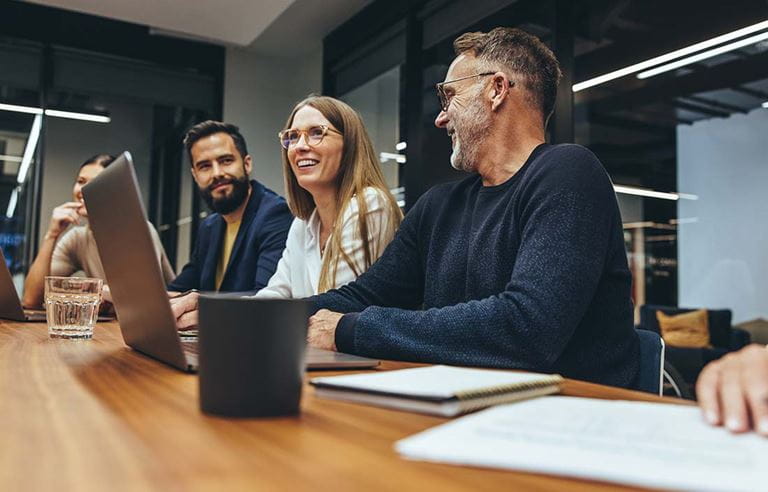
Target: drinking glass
x=72, y=306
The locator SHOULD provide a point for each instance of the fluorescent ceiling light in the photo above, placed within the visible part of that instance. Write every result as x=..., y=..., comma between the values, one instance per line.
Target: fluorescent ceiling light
x=703, y=55
x=77, y=116
x=631, y=190
x=12, y=203
x=401, y=146
x=389, y=156
x=637, y=67
x=29, y=150
x=55, y=113
x=20, y=109
x=10, y=158
x=765, y=104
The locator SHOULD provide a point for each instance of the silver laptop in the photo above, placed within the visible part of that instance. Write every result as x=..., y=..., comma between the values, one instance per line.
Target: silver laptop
x=10, y=305
x=119, y=226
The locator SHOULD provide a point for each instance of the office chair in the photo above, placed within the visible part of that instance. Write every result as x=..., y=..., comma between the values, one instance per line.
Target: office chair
x=651, y=362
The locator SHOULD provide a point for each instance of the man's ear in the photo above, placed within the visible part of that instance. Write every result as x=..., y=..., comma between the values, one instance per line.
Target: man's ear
x=500, y=88
x=248, y=164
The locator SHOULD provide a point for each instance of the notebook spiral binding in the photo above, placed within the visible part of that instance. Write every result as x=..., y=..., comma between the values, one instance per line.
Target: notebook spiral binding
x=480, y=398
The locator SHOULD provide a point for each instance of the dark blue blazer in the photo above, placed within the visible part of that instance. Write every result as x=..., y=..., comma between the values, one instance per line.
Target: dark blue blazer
x=258, y=247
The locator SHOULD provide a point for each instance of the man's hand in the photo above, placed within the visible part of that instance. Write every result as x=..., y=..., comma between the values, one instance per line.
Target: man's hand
x=62, y=216
x=733, y=390
x=322, y=329
x=185, y=310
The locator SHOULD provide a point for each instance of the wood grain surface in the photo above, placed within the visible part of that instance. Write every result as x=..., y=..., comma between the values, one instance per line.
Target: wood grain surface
x=95, y=415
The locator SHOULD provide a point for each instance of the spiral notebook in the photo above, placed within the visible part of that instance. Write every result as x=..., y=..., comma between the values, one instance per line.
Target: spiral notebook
x=437, y=390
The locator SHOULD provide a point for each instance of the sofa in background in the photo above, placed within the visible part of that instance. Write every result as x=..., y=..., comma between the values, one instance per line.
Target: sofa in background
x=690, y=361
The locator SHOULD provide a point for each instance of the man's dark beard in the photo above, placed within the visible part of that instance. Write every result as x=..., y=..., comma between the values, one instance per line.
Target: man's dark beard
x=228, y=204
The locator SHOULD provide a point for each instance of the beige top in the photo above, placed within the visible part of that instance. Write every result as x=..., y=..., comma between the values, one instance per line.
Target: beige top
x=226, y=250
x=76, y=250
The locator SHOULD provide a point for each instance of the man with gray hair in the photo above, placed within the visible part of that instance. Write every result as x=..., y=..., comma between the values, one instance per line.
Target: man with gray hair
x=520, y=265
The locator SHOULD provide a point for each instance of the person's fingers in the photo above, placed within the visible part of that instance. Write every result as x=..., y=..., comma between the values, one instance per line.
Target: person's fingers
x=177, y=307
x=182, y=305
x=187, y=321
x=756, y=389
x=707, y=392
x=754, y=379
x=732, y=397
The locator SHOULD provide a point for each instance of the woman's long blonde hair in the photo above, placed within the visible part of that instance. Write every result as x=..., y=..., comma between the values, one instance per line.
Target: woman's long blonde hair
x=358, y=170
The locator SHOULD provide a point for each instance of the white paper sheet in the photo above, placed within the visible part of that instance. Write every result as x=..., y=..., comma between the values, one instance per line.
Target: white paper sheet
x=645, y=444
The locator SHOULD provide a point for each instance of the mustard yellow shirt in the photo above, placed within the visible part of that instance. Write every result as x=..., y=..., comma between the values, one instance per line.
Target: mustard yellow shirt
x=226, y=251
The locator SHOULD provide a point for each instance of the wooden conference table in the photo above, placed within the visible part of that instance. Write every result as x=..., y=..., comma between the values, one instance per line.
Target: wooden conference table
x=95, y=415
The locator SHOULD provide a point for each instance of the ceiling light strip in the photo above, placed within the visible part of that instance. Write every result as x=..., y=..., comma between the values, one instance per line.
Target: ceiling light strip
x=97, y=118
x=389, y=156
x=631, y=190
x=12, y=203
x=29, y=150
x=765, y=104
x=672, y=55
x=20, y=109
x=10, y=158
x=703, y=56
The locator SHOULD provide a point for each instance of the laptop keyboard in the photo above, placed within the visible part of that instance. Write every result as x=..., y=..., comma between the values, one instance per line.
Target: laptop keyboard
x=189, y=347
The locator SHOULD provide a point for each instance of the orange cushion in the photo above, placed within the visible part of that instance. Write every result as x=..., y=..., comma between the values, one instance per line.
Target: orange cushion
x=690, y=330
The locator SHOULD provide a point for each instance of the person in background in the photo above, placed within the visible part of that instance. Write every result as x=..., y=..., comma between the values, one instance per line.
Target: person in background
x=238, y=246
x=345, y=214
x=733, y=390
x=522, y=264
x=69, y=246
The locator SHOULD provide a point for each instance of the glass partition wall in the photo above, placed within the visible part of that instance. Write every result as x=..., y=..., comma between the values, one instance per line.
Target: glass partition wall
x=20, y=130
x=378, y=102
x=68, y=97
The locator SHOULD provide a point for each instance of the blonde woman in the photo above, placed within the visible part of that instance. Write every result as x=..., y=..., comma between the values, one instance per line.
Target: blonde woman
x=345, y=214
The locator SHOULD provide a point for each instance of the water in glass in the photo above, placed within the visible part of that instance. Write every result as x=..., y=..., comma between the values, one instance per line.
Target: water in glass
x=72, y=315
x=72, y=306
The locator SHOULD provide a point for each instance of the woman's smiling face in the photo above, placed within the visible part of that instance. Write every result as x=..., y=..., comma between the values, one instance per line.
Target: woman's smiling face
x=316, y=167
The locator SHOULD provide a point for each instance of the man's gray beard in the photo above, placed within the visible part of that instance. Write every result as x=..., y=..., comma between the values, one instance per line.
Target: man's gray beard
x=470, y=134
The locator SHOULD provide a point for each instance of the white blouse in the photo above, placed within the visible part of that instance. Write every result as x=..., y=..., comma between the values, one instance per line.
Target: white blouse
x=298, y=272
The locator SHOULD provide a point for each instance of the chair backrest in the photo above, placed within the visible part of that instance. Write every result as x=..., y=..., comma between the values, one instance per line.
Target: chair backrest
x=651, y=362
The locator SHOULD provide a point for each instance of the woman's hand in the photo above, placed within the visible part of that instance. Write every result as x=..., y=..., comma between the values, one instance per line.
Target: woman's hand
x=63, y=216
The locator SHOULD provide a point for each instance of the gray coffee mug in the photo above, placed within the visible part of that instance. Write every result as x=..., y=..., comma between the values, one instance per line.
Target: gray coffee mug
x=251, y=355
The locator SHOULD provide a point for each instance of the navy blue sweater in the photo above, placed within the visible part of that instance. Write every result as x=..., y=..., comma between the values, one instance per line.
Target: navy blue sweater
x=258, y=247
x=530, y=274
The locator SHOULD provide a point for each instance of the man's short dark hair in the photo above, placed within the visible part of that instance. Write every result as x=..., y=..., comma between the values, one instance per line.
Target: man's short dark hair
x=506, y=48
x=210, y=127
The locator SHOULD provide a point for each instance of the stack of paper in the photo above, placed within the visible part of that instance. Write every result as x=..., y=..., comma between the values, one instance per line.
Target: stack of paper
x=645, y=444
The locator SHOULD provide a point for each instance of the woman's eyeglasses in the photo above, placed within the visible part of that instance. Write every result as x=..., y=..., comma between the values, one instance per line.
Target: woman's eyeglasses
x=313, y=135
